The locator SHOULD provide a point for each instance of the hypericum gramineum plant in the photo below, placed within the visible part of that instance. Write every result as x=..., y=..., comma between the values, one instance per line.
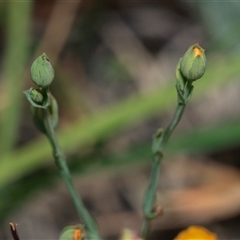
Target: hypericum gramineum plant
x=44, y=110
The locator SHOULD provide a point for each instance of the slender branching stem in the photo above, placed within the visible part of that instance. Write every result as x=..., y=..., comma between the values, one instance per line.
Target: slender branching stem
x=60, y=161
x=177, y=117
x=159, y=142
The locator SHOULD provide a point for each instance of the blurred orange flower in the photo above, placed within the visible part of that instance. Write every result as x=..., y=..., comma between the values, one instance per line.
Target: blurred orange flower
x=196, y=232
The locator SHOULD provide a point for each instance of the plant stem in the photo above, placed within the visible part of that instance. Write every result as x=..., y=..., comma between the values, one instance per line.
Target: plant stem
x=177, y=117
x=60, y=161
x=14, y=231
x=150, y=195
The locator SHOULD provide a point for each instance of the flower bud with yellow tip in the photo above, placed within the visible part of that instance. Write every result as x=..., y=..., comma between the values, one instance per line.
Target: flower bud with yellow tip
x=42, y=72
x=73, y=233
x=193, y=63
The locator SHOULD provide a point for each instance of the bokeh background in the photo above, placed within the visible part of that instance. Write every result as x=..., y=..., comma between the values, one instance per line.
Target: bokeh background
x=115, y=63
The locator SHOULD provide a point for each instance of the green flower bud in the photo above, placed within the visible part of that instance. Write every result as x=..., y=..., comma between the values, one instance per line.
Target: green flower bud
x=38, y=98
x=36, y=95
x=42, y=72
x=193, y=63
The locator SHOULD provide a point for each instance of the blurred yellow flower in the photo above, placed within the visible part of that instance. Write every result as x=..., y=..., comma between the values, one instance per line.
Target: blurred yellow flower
x=196, y=232
x=128, y=234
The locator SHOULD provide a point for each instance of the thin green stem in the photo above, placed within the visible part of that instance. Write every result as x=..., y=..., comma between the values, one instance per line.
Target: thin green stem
x=177, y=117
x=60, y=161
x=150, y=196
x=145, y=228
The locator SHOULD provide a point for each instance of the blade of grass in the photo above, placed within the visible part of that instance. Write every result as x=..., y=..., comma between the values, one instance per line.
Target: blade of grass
x=15, y=58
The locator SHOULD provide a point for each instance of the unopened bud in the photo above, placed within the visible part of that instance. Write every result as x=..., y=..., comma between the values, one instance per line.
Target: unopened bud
x=73, y=233
x=42, y=72
x=193, y=63
x=36, y=96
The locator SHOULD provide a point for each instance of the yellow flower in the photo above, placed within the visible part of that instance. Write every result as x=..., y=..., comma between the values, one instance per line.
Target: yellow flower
x=128, y=234
x=196, y=232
